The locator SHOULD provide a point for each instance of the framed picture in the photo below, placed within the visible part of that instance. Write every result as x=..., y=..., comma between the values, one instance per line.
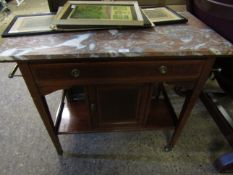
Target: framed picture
x=99, y=13
x=163, y=15
x=29, y=24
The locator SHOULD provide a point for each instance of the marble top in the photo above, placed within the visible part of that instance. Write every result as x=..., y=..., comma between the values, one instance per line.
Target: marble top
x=191, y=39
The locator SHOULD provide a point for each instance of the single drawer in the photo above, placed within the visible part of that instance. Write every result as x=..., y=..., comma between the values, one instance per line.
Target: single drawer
x=115, y=72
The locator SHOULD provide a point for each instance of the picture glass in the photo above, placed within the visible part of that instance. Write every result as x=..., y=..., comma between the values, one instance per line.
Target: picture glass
x=160, y=14
x=103, y=12
x=31, y=24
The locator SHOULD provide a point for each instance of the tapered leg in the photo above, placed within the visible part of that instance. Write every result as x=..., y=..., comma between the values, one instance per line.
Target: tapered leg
x=41, y=105
x=190, y=102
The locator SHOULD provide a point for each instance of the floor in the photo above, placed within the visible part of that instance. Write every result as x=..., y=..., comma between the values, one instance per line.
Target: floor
x=25, y=147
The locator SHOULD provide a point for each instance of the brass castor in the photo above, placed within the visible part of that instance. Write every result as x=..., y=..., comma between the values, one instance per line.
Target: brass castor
x=167, y=148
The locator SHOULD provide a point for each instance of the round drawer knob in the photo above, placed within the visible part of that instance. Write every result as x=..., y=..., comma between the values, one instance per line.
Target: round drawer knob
x=163, y=69
x=75, y=73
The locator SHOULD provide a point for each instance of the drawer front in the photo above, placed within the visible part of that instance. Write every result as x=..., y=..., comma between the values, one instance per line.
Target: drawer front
x=115, y=72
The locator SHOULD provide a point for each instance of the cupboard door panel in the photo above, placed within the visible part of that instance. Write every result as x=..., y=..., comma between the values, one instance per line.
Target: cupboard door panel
x=119, y=106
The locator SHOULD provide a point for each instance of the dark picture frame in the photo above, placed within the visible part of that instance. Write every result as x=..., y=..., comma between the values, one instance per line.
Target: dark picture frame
x=8, y=31
x=170, y=16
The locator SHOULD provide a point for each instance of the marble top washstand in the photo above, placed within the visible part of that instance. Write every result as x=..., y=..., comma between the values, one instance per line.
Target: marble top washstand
x=150, y=57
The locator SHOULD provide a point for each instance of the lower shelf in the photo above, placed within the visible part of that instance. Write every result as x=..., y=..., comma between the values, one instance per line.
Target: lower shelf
x=75, y=118
x=161, y=115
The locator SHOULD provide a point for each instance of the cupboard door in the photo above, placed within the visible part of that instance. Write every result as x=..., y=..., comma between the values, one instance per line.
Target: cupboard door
x=120, y=106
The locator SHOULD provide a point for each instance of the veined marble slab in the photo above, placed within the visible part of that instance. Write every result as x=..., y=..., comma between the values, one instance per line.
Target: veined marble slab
x=191, y=39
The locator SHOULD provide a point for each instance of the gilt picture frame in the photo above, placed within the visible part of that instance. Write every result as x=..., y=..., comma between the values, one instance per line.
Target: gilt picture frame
x=99, y=13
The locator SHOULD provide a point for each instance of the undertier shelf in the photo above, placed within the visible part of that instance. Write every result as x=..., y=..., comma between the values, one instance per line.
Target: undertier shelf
x=75, y=118
x=161, y=115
